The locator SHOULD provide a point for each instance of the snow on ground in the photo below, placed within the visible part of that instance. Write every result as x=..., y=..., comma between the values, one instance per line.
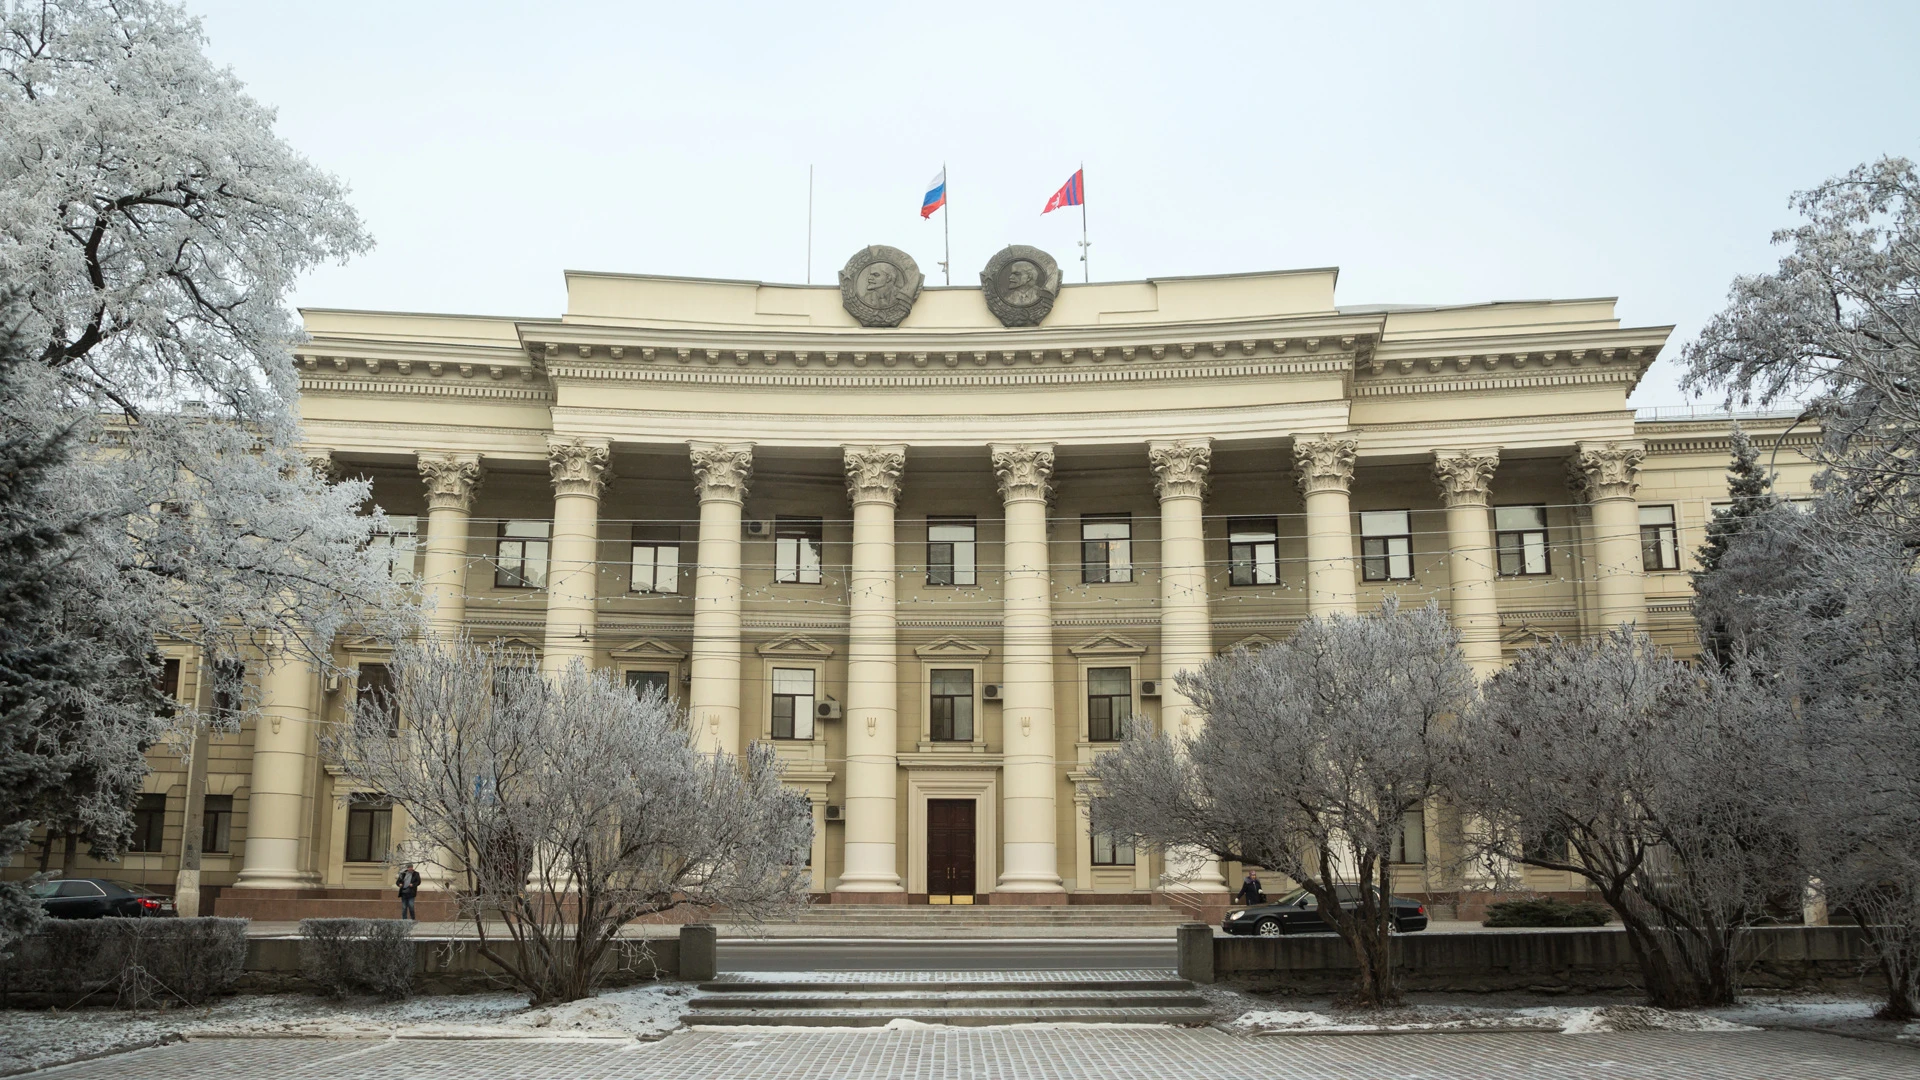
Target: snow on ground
x=35, y=1038
x=1568, y=1020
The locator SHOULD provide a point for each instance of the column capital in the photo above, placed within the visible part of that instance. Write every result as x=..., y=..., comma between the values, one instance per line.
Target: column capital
x=579, y=466
x=1180, y=468
x=1025, y=470
x=321, y=464
x=451, y=480
x=1324, y=462
x=1607, y=470
x=873, y=473
x=1465, y=477
x=722, y=470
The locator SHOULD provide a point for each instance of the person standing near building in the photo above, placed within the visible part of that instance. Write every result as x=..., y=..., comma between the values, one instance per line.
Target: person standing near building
x=1250, y=891
x=409, y=883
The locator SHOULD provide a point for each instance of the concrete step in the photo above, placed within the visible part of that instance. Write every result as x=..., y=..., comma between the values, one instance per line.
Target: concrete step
x=964, y=998
x=952, y=1017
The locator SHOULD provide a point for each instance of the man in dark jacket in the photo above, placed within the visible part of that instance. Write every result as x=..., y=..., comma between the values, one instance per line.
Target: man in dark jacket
x=1250, y=892
x=409, y=882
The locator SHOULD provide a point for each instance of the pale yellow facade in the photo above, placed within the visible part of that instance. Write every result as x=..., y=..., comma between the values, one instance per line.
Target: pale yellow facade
x=1263, y=453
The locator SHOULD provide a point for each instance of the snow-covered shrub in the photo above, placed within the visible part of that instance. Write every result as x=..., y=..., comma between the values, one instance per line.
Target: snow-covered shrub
x=135, y=962
x=358, y=956
x=1546, y=911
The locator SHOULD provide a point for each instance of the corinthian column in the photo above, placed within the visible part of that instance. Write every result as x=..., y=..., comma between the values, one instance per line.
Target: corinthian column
x=1029, y=862
x=280, y=798
x=1186, y=625
x=721, y=474
x=1611, y=472
x=451, y=481
x=579, y=469
x=1465, y=480
x=1323, y=464
x=873, y=486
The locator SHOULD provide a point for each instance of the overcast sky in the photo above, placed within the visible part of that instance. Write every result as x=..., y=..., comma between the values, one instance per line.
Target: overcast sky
x=1436, y=153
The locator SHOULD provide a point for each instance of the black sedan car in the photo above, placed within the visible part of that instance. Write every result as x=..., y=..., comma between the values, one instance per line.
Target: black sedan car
x=98, y=898
x=1298, y=912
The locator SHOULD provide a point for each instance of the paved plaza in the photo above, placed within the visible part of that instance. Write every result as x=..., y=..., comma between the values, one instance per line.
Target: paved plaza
x=1028, y=1053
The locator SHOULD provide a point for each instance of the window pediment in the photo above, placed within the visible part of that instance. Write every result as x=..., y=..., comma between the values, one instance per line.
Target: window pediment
x=1251, y=642
x=650, y=649
x=795, y=647
x=952, y=648
x=1104, y=645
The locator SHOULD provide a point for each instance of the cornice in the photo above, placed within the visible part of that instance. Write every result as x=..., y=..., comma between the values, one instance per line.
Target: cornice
x=427, y=386
x=917, y=379
x=1503, y=381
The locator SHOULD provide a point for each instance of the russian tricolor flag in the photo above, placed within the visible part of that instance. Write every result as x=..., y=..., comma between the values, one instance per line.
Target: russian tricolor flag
x=936, y=194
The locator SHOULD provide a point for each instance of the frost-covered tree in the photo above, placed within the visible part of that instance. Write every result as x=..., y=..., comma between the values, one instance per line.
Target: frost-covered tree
x=1842, y=638
x=151, y=225
x=1313, y=753
x=1837, y=325
x=571, y=807
x=1723, y=607
x=76, y=701
x=1660, y=782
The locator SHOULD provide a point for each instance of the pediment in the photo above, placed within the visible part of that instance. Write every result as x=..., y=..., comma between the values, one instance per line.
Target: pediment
x=1108, y=645
x=798, y=646
x=1251, y=643
x=952, y=648
x=367, y=646
x=650, y=649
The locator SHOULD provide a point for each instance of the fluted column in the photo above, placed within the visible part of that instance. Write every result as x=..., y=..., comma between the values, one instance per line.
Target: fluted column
x=451, y=480
x=280, y=798
x=1029, y=861
x=579, y=471
x=1186, y=624
x=873, y=487
x=1465, y=479
x=721, y=474
x=1323, y=465
x=1611, y=472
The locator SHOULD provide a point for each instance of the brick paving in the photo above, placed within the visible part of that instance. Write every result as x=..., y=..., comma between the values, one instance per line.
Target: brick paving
x=1028, y=1053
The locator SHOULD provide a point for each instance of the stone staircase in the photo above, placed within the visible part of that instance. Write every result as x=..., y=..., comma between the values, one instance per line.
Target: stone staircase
x=853, y=920
x=964, y=999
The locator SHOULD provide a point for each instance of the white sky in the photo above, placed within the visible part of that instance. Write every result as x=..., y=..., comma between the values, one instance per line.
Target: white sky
x=1436, y=153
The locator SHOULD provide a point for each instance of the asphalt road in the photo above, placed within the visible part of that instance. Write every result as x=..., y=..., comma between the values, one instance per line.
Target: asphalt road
x=977, y=955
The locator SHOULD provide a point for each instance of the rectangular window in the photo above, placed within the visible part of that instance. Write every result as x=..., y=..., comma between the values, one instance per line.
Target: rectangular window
x=1109, y=703
x=216, y=824
x=656, y=568
x=642, y=681
x=796, y=543
x=1545, y=845
x=1520, y=538
x=521, y=562
x=1659, y=542
x=149, y=823
x=952, y=704
x=369, y=828
x=1110, y=850
x=1106, y=548
x=373, y=694
x=1386, y=545
x=1253, y=551
x=793, y=703
x=950, y=558
x=167, y=684
x=1410, y=846
x=229, y=688
x=394, y=544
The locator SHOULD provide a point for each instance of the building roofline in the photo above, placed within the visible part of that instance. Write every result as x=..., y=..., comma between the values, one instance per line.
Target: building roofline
x=305, y=309
x=1334, y=270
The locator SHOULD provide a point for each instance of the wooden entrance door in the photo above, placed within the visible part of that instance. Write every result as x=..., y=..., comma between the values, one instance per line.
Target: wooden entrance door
x=950, y=851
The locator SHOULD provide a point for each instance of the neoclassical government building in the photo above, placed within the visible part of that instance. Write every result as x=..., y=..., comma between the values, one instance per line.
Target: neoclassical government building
x=941, y=546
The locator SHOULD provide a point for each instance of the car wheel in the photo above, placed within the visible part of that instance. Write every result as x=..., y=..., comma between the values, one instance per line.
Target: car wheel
x=1268, y=928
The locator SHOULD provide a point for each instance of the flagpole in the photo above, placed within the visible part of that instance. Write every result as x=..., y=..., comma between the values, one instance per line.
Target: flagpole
x=946, y=223
x=1086, y=249
x=809, y=224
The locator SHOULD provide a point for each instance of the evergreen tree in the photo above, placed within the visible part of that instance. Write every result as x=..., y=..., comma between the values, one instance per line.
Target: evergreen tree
x=1750, y=489
x=76, y=696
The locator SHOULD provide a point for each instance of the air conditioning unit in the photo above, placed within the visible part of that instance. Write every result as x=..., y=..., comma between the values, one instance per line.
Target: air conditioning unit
x=990, y=691
x=836, y=813
x=826, y=710
x=1149, y=688
x=757, y=530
